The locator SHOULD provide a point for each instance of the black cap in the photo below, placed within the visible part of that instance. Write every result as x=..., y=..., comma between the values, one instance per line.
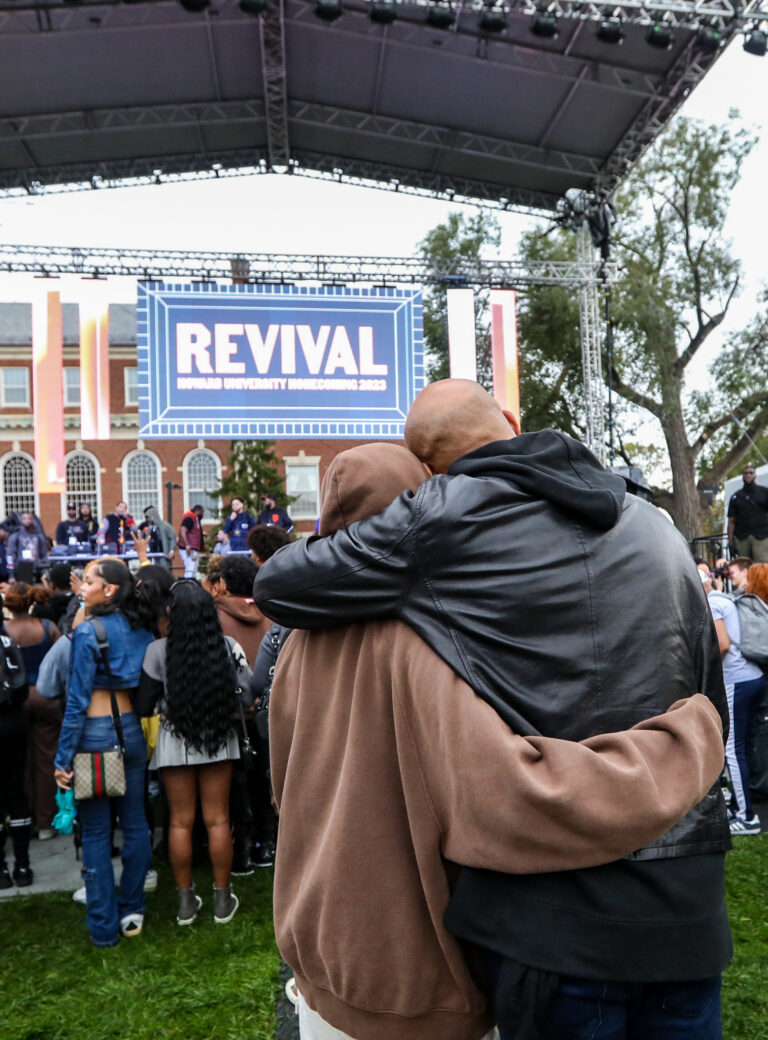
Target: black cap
x=71, y=505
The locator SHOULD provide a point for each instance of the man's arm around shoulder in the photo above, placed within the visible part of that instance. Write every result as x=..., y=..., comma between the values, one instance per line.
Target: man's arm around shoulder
x=362, y=572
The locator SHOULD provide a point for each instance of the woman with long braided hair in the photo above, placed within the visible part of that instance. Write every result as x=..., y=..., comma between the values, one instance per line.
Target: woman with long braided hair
x=193, y=675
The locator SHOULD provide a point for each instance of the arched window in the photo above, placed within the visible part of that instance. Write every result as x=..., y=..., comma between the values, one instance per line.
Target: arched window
x=202, y=475
x=83, y=481
x=141, y=483
x=18, y=483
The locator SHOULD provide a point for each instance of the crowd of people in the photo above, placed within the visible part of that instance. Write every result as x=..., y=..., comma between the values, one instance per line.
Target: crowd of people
x=164, y=670
x=23, y=540
x=496, y=735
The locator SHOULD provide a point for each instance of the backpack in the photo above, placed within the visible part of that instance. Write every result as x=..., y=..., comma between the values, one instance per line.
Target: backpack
x=13, y=674
x=753, y=615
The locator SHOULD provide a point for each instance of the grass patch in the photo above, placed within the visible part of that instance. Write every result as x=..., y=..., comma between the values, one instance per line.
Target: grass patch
x=172, y=983
x=745, y=998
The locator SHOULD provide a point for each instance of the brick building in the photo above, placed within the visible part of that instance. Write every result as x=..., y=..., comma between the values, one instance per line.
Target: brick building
x=124, y=467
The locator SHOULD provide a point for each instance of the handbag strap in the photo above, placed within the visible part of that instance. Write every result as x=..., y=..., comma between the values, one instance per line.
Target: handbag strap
x=103, y=640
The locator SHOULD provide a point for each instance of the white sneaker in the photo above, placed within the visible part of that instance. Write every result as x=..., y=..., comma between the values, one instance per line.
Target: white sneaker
x=79, y=896
x=131, y=925
x=150, y=881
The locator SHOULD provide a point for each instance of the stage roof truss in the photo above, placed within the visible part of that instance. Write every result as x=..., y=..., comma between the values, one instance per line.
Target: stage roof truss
x=506, y=120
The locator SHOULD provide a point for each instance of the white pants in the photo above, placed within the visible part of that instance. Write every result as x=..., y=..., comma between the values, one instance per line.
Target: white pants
x=312, y=1027
x=190, y=558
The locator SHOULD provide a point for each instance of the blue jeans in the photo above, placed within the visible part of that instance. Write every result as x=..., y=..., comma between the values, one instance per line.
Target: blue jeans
x=595, y=1009
x=585, y=1009
x=103, y=908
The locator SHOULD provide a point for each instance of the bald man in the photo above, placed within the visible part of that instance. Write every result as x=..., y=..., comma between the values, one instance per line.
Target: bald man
x=574, y=609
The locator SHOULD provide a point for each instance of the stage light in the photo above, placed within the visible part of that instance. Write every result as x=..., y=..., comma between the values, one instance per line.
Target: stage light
x=329, y=10
x=383, y=12
x=660, y=36
x=441, y=16
x=756, y=42
x=545, y=25
x=709, y=39
x=194, y=6
x=610, y=31
x=254, y=7
x=492, y=20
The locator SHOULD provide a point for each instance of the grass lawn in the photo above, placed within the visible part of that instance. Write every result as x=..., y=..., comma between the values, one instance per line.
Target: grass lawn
x=203, y=982
x=745, y=996
x=211, y=982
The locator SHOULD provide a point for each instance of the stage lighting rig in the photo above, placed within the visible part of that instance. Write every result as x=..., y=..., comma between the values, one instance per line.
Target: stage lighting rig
x=195, y=6
x=254, y=7
x=709, y=39
x=610, y=30
x=492, y=19
x=545, y=26
x=660, y=36
x=329, y=10
x=383, y=12
x=756, y=42
x=441, y=16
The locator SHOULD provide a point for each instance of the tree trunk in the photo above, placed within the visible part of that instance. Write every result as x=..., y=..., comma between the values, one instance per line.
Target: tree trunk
x=685, y=498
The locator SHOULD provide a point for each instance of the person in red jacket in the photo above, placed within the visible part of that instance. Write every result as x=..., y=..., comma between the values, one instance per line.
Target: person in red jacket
x=191, y=540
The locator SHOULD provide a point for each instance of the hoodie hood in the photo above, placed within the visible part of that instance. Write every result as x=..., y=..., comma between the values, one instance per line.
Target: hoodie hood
x=551, y=466
x=363, y=481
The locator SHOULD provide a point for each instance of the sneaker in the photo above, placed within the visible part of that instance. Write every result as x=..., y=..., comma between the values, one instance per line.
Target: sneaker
x=264, y=854
x=189, y=906
x=243, y=867
x=23, y=876
x=79, y=896
x=741, y=826
x=150, y=881
x=131, y=925
x=225, y=904
x=6, y=880
x=46, y=833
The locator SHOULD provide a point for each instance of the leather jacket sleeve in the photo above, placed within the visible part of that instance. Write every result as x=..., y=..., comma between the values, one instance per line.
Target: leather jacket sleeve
x=363, y=572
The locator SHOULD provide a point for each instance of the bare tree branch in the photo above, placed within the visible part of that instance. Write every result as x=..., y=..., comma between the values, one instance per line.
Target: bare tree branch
x=717, y=473
x=635, y=396
x=704, y=329
x=740, y=411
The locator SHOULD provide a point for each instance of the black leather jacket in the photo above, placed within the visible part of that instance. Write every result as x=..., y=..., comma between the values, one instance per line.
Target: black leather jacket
x=573, y=608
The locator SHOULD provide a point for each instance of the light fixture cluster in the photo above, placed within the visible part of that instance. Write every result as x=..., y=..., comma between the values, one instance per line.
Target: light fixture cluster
x=493, y=18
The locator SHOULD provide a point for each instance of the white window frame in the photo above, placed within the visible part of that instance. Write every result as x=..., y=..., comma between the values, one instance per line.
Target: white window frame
x=158, y=502
x=192, y=499
x=4, y=403
x=127, y=386
x=66, y=497
x=309, y=463
x=67, y=387
x=3, y=459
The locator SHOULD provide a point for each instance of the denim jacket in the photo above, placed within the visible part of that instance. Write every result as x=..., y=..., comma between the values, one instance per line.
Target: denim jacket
x=86, y=673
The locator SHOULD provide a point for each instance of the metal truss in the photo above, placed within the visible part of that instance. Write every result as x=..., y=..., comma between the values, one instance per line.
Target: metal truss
x=272, y=39
x=643, y=12
x=591, y=347
x=152, y=265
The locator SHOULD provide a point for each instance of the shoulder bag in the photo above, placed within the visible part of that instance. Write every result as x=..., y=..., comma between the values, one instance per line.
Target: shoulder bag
x=101, y=774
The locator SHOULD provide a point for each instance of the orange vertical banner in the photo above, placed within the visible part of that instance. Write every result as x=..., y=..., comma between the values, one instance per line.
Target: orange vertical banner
x=506, y=374
x=94, y=362
x=48, y=392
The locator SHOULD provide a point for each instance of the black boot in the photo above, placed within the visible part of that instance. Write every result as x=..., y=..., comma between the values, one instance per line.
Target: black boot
x=20, y=834
x=5, y=877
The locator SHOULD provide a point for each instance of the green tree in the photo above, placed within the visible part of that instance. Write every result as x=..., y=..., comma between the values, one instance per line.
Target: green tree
x=677, y=279
x=461, y=237
x=253, y=472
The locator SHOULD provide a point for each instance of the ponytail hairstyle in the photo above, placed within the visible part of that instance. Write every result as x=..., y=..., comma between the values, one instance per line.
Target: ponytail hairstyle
x=124, y=599
x=200, y=674
x=20, y=597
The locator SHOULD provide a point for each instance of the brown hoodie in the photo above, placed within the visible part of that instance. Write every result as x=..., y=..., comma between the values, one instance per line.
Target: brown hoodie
x=242, y=619
x=386, y=765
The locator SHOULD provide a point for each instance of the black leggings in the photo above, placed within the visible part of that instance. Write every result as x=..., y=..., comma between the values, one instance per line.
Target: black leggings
x=13, y=760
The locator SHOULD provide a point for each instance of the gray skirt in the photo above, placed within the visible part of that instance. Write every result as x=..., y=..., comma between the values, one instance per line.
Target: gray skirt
x=173, y=751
